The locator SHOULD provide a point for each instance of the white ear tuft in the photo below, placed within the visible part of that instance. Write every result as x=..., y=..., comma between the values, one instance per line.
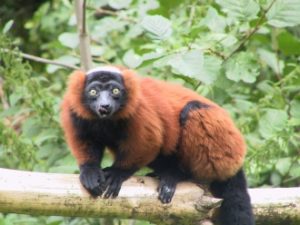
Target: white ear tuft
x=105, y=69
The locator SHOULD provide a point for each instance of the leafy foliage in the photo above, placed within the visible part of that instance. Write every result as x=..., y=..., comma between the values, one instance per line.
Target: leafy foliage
x=244, y=55
x=30, y=118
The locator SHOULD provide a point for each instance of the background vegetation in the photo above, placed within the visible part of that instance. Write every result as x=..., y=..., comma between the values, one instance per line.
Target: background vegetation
x=242, y=54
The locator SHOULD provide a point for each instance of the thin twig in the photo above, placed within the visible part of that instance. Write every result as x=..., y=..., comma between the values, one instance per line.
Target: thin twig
x=46, y=61
x=4, y=101
x=104, y=11
x=218, y=54
x=112, y=13
x=251, y=33
x=100, y=59
x=192, y=15
x=39, y=59
x=197, y=85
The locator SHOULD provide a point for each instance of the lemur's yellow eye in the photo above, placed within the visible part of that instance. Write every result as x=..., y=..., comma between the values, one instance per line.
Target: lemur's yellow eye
x=92, y=92
x=115, y=91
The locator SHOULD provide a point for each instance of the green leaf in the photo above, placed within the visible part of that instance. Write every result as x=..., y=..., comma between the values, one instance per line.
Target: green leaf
x=214, y=21
x=15, y=97
x=295, y=170
x=53, y=220
x=69, y=40
x=163, y=61
x=45, y=135
x=67, y=59
x=31, y=128
x=243, y=66
x=97, y=50
x=211, y=69
x=294, y=122
x=148, y=5
x=44, y=150
x=243, y=9
x=265, y=86
x=158, y=27
x=295, y=108
x=106, y=25
x=98, y=3
x=275, y=179
x=152, y=55
x=271, y=122
x=243, y=105
x=189, y=63
x=11, y=111
x=283, y=165
x=227, y=40
x=107, y=161
x=7, y=26
x=131, y=59
x=271, y=60
x=284, y=13
x=134, y=31
x=119, y=4
x=151, y=58
x=288, y=43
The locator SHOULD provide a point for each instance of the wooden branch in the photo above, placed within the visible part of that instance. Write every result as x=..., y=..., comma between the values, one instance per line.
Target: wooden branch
x=39, y=59
x=276, y=206
x=84, y=40
x=61, y=194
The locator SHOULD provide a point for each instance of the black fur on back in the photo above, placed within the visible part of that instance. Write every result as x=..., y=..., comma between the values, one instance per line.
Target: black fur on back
x=192, y=105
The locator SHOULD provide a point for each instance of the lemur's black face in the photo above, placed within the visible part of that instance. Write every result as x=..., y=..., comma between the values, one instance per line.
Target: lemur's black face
x=104, y=93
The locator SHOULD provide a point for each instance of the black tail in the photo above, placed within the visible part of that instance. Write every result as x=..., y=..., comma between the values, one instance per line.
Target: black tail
x=236, y=206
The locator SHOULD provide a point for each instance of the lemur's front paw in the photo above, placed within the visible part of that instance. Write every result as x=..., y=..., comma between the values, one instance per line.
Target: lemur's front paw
x=114, y=180
x=92, y=178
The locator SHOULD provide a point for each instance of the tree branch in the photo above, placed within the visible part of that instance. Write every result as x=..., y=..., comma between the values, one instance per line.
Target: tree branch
x=99, y=12
x=276, y=206
x=61, y=194
x=84, y=40
x=252, y=32
x=39, y=59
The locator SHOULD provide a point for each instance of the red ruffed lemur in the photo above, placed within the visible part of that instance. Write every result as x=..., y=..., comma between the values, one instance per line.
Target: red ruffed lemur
x=146, y=122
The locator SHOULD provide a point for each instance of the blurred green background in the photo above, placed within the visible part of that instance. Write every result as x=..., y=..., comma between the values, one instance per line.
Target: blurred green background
x=244, y=55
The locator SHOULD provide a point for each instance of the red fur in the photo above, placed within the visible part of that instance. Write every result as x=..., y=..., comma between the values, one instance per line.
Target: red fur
x=209, y=145
x=78, y=148
x=72, y=99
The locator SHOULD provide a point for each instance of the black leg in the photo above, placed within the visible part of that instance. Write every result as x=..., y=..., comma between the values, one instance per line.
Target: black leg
x=167, y=185
x=92, y=178
x=169, y=174
x=236, y=206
